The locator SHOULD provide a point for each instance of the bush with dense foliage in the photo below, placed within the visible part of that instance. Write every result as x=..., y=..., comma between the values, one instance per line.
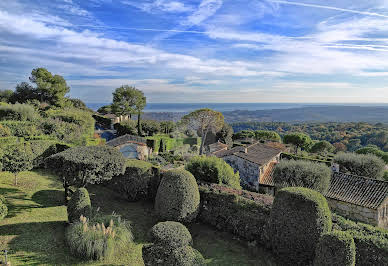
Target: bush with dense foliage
x=302, y=174
x=367, y=165
x=213, y=170
x=375, y=151
x=371, y=242
x=177, y=198
x=97, y=239
x=126, y=127
x=42, y=149
x=171, y=246
x=22, y=128
x=299, y=140
x=80, y=166
x=322, y=147
x=298, y=219
x=3, y=208
x=139, y=182
x=78, y=205
x=239, y=212
x=17, y=158
x=5, y=131
x=335, y=249
x=19, y=112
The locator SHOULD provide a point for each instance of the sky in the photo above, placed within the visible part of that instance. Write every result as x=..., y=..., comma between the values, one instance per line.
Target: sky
x=179, y=51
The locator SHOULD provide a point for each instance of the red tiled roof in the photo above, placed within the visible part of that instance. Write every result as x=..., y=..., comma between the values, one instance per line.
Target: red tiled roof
x=267, y=178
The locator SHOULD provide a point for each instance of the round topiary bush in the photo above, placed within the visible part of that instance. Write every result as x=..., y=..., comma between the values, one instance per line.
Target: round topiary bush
x=213, y=170
x=186, y=256
x=97, y=239
x=171, y=234
x=335, y=249
x=177, y=198
x=78, y=205
x=298, y=219
x=3, y=208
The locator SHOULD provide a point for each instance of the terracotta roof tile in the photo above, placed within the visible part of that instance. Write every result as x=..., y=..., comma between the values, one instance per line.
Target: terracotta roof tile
x=361, y=191
x=267, y=178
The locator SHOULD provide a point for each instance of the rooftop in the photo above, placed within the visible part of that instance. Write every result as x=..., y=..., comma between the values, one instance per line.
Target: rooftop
x=361, y=191
x=258, y=153
x=125, y=139
x=267, y=178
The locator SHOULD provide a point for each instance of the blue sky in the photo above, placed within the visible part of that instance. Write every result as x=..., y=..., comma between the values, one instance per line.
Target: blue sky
x=202, y=50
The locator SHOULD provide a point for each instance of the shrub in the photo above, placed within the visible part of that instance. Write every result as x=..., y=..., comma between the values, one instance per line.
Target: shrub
x=3, y=208
x=298, y=219
x=371, y=242
x=172, y=246
x=42, y=149
x=170, y=234
x=94, y=240
x=366, y=165
x=17, y=158
x=78, y=205
x=126, y=127
x=302, y=174
x=375, y=151
x=239, y=212
x=213, y=170
x=5, y=131
x=22, y=128
x=19, y=112
x=177, y=198
x=335, y=249
x=139, y=182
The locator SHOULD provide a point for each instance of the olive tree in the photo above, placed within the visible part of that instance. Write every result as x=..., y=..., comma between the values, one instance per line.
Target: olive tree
x=17, y=158
x=204, y=121
x=80, y=166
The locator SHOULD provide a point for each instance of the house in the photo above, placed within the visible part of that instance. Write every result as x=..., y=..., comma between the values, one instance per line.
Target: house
x=217, y=146
x=252, y=161
x=359, y=198
x=132, y=147
x=116, y=119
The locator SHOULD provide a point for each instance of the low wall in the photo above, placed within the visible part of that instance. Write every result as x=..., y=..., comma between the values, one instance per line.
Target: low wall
x=354, y=212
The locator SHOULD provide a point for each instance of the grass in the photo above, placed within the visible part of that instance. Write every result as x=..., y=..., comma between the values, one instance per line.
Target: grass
x=34, y=229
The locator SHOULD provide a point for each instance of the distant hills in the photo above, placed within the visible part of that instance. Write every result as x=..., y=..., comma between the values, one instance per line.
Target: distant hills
x=371, y=114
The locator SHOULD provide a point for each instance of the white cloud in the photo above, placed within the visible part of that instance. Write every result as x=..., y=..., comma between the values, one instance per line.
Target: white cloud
x=161, y=5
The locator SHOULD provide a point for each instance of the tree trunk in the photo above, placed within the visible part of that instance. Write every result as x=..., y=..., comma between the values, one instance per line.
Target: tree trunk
x=16, y=179
x=203, y=142
x=139, y=131
x=66, y=187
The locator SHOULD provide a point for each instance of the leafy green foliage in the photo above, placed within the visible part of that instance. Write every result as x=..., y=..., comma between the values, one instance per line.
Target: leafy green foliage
x=261, y=135
x=213, y=170
x=302, y=174
x=322, y=147
x=97, y=239
x=299, y=140
x=23, y=129
x=126, y=127
x=298, y=219
x=171, y=234
x=177, y=198
x=225, y=135
x=5, y=95
x=42, y=149
x=366, y=165
x=186, y=256
x=87, y=165
x=17, y=158
x=5, y=131
x=167, y=127
x=335, y=249
x=78, y=205
x=375, y=151
x=139, y=182
x=3, y=208
x=18, y=112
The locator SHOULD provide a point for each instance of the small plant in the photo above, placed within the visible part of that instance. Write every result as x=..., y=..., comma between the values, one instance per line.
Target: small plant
x=97, y=239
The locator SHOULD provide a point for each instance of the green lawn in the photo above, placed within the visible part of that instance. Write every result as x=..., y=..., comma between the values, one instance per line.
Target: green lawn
x=34, y=229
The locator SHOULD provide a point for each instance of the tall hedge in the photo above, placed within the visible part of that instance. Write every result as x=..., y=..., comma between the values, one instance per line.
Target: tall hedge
x=335, y=249
x=78, y=205
x=367, y=165
x=302, y=174
x=177, y=198
x=214, y=170
x=298, y=219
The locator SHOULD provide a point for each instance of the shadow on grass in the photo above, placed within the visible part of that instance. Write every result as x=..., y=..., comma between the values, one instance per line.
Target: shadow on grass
x=12, y=195
x=40, y=243
x=48, y=198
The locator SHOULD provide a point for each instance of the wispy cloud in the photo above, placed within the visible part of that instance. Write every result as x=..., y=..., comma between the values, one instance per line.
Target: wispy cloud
x=160, y=5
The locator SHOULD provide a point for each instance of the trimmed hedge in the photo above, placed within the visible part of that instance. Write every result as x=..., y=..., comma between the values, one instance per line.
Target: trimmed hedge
x=335, y=249
x=298, y=219
x=213, y=170
x=371, y=242
x=22, y=128
x=302, y=174
x=140, y=181
x=78, y=205
x=242, y=213
x=171, y=234
x=3, y=208
x=171, y=246
x=290, y=156
x=177, y=198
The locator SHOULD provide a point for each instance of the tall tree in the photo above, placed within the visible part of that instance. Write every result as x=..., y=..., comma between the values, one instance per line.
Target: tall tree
x=17, y=158
x=322, y=147
x=5, y=95
x=299, y=140
x=225, y=135
x=51, y=89
x=23, y=93
x=204, y=121
x=128, y=100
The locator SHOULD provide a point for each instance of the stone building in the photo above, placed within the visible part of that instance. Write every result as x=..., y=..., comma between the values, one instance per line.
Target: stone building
x=217, y=147
x=252, y=161
x=359, y=198
x=132, y=147
x=116, y=119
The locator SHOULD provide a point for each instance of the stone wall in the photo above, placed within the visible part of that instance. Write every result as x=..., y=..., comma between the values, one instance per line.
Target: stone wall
x=354, y=212
x=383, y=215
x=249, y=172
